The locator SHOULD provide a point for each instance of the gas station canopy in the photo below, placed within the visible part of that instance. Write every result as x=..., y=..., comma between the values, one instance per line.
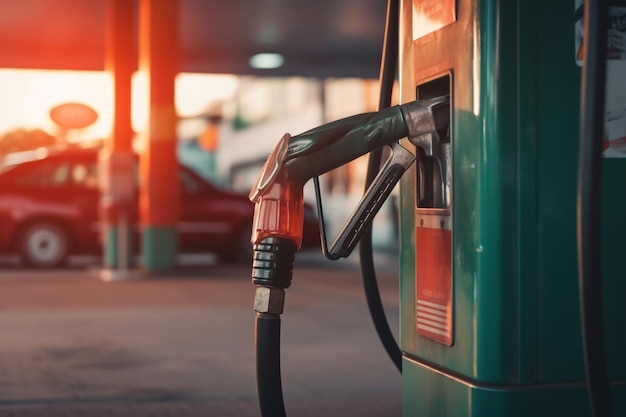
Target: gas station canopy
x=317, y=38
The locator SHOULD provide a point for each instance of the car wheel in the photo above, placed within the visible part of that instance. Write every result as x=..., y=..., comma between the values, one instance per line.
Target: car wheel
x=43, y=245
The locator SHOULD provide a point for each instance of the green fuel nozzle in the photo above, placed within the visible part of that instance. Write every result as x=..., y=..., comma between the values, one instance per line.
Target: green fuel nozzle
x=278, y=192
x=295, y=160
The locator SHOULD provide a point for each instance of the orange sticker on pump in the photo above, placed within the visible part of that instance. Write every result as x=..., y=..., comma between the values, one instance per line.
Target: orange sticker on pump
x=433, y=304
x=431, y=15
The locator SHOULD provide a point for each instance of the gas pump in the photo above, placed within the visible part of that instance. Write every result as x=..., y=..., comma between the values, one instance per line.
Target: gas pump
x=490, y=310
x=490, y=313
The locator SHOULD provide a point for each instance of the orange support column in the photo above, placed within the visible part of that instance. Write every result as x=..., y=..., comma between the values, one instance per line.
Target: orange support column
x=159, y=192
x=117, y=164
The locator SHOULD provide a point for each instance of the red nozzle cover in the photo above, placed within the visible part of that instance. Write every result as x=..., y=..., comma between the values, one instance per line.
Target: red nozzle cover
x=279, y=211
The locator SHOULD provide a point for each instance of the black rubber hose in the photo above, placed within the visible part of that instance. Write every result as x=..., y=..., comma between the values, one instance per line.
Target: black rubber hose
x=267, y=345
x=588, y=213
x=272, y=270
x=388, y=70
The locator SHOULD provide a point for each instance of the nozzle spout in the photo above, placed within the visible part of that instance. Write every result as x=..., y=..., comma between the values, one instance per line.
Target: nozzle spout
x=332, y=145
x=329, y=146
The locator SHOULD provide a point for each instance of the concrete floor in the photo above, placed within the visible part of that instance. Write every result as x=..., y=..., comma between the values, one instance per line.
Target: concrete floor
x=181, y=344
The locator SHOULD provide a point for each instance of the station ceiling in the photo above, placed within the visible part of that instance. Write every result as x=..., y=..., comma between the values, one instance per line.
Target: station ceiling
x=318, y=38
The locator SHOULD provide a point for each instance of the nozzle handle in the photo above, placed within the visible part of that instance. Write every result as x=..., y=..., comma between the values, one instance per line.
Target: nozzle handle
x=371, y=202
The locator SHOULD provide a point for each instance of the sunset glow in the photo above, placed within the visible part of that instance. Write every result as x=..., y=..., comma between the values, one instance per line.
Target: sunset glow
x=26, y=97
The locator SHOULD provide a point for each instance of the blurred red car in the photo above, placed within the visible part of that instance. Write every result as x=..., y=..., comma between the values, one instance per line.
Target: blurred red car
x=49, y=205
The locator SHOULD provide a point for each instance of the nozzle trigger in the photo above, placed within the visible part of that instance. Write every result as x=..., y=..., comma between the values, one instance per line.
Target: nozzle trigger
x=371, y=202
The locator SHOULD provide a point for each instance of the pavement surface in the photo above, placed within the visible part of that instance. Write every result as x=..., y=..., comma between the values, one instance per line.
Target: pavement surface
x=181, y=343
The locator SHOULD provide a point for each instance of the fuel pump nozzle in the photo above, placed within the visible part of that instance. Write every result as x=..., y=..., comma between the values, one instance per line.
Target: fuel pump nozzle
x=278, y=218
x=295, y=160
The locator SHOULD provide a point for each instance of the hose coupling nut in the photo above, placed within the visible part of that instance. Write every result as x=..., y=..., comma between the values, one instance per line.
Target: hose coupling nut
x=269, y=300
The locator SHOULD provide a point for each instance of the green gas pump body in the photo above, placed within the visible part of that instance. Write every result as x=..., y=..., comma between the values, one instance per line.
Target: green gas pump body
x=490, y=317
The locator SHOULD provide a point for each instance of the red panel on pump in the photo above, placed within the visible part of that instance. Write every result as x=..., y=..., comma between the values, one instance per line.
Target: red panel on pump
x=433, y=304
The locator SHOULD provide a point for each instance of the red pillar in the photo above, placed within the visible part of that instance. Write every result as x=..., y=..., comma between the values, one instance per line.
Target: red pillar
x=116, y=160
x=159, y=192
x=120, y=62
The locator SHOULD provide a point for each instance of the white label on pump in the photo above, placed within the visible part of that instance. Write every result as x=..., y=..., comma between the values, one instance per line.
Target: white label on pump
x=614, y=140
